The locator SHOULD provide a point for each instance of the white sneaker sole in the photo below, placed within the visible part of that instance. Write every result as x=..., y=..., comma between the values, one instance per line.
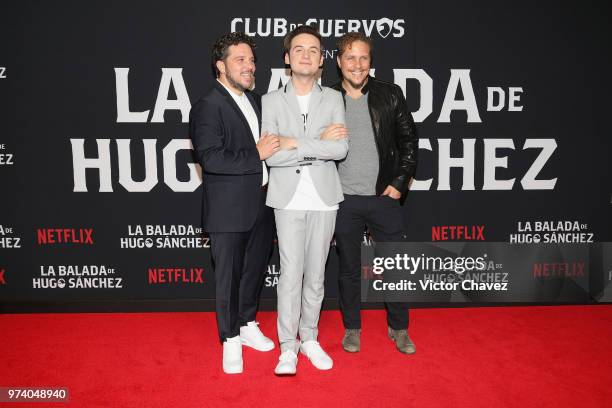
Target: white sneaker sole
x=285, y=372
x=233, y=370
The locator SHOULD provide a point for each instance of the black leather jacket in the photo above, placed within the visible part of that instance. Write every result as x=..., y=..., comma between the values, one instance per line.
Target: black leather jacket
x=395, y=133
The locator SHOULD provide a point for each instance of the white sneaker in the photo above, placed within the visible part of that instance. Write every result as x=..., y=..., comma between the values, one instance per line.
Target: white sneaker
x=316, y=355
x=251, y=336
x=287, y=363
x=232, y=355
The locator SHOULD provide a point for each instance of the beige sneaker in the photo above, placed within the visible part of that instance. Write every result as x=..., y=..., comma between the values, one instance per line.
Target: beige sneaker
x=352, y=340
x=402, y=341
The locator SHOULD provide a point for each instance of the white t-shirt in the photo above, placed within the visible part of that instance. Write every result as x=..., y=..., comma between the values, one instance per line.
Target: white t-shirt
x=306, y=197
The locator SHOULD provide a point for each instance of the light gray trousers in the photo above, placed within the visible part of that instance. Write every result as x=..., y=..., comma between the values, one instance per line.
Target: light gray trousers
x=303, y=243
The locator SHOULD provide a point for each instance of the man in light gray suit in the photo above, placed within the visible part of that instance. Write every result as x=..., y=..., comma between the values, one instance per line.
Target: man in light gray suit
x=304, y=189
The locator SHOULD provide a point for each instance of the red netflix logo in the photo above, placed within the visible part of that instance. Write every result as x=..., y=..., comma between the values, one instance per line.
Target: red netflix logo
x=175, y=275
x=457, y=233
x=49, y=236
x=551, y=270
x=2, y=280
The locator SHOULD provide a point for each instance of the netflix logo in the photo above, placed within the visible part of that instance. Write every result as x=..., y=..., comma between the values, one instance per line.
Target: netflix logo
x=552, y=270
x=458, y=233
x=2, y=279
x=50, y=236
x=157, y=276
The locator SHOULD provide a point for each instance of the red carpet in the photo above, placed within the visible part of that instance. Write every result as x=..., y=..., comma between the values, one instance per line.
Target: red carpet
x=471, y=357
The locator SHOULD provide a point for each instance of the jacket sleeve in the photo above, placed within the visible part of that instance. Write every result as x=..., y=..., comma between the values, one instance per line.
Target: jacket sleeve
x=269, y=123
x=312, y=149
x=315, y=149
x=407, y=143
x=208, y=137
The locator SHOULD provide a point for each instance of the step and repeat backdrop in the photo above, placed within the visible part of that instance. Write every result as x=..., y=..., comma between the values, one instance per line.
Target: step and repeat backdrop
x=101, y=200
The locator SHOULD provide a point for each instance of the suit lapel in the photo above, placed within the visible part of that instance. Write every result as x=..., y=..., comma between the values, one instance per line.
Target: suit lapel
x=255, y=108
x=236, y=108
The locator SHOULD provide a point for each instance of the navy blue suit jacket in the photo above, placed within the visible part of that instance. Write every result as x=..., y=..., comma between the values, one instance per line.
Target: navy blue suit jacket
x=231, y=169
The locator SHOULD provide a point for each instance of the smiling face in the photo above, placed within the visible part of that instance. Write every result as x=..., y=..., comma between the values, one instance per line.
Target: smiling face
x=238, y=69
x=355, y=64
x=304, y=56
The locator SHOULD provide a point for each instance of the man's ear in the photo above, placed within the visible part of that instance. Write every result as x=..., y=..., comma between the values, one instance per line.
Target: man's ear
x=220, y=66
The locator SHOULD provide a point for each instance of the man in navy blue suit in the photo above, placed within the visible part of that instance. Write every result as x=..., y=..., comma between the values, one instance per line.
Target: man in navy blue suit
x=225, y=129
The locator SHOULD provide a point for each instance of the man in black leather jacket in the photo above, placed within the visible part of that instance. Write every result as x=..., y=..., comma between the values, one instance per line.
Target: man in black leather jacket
x=375, y=178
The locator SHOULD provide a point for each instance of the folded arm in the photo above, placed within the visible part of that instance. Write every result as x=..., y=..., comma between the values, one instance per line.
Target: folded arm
x=295, y=151
x=333, y=148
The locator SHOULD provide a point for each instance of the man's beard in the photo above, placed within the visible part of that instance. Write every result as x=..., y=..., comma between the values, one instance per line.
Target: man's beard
x=237, y=84
x=357, y=85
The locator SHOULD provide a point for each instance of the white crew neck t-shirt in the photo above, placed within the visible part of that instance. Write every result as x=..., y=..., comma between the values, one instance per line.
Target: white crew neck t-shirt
x=306, y=197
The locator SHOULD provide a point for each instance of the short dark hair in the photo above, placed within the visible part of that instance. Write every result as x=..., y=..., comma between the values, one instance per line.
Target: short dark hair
x=347, y=40
x=303, y=29
x=221, y=47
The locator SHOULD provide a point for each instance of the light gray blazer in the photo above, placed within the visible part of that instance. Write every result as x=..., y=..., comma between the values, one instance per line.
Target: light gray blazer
x=281, y=116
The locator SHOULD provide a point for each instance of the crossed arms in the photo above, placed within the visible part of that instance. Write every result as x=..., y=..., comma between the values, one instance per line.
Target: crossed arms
x=331, y=145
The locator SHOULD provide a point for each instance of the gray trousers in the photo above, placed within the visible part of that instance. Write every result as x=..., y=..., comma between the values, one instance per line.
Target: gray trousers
x=303, y=244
